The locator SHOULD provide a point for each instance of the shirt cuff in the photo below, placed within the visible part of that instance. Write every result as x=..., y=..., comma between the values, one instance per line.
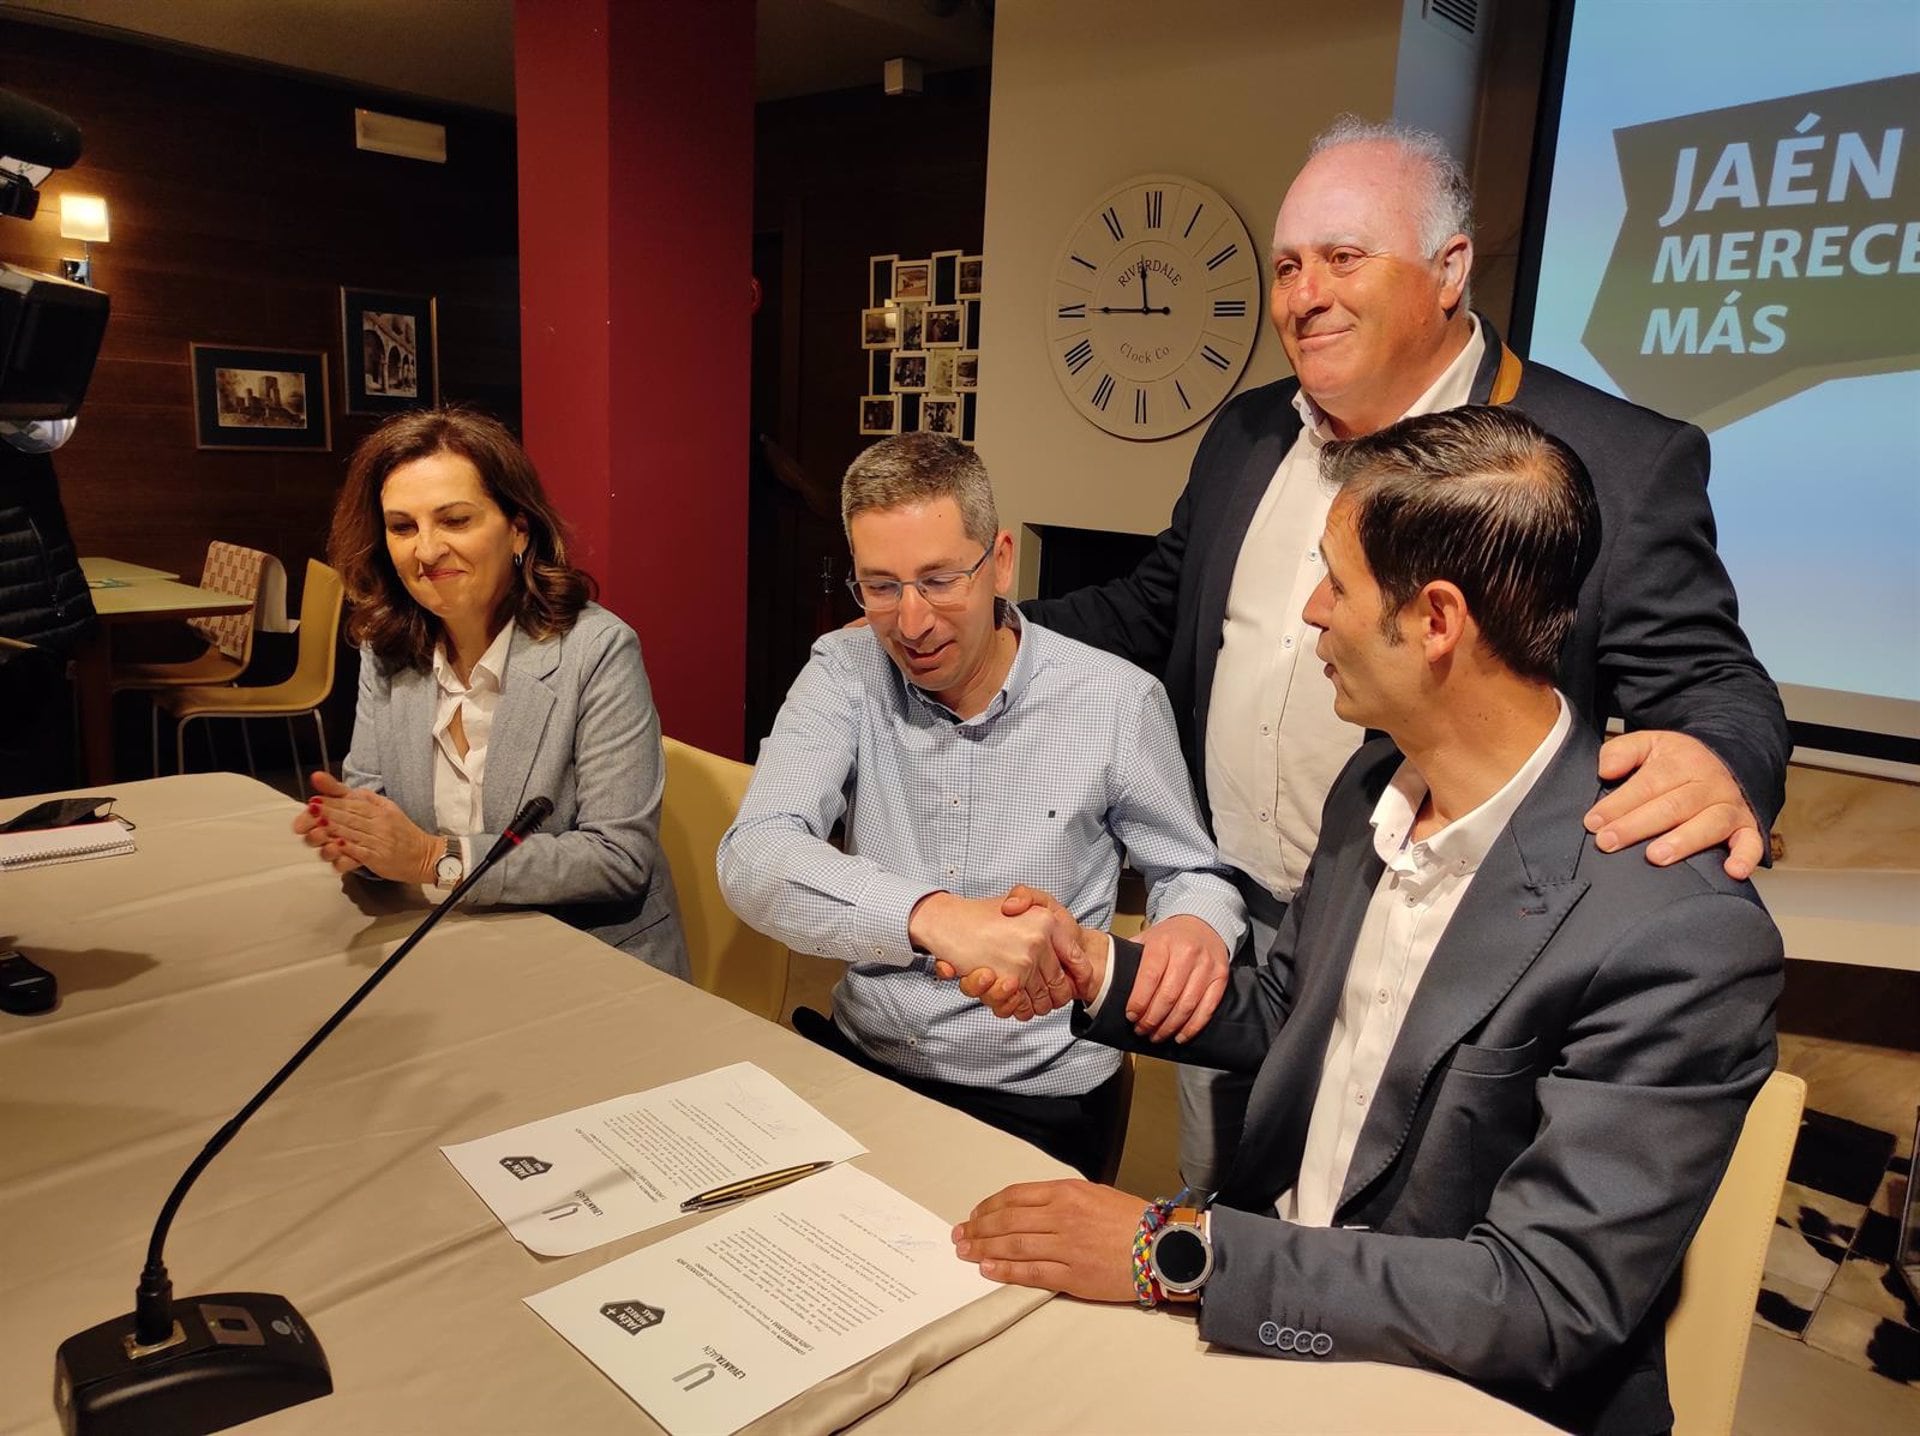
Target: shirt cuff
x=879, y=929
x=466, y=856
x=1106, y=981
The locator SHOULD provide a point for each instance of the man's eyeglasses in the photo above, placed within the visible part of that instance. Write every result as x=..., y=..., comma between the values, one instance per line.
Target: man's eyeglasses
x=942, y=590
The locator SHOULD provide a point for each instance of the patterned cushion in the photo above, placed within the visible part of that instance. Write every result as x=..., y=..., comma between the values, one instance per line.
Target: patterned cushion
x=235, y=570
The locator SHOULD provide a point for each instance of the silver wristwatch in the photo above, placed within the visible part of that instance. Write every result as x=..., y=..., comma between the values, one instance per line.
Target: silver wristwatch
x=450, y=867
x=1181, y=1255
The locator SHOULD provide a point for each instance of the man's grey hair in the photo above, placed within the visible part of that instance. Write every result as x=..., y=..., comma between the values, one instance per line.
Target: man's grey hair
x=1446, y=204
x=917, y=469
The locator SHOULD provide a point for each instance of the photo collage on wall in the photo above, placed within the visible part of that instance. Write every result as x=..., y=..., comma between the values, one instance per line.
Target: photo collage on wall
x=921, y=334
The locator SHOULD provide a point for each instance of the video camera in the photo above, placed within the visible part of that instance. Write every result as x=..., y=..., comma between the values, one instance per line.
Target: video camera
x=50, y=328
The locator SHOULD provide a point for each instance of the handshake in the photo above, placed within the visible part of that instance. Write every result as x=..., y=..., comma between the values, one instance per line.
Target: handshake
x=1024, y=955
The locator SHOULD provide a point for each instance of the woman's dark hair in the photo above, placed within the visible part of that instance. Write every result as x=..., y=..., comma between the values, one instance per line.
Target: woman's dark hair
x=547, y=593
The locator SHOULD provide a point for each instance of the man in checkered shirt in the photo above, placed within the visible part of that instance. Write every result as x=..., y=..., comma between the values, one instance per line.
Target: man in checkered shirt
x=967, y=751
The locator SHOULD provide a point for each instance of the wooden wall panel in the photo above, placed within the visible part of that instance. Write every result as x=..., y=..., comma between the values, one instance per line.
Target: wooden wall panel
x=239, y=206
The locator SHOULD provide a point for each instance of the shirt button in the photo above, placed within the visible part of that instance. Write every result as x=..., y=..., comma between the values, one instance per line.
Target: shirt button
x=1409, y=899
x=1313, y=555
x=1263, y=815
x=1287, y=642
x=1359, y=1099
x=1265, y=729
x=1384, y=996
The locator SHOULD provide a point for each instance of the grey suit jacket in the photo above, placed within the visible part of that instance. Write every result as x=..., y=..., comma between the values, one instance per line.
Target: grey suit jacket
x=1565, y=1092
x=576, y=723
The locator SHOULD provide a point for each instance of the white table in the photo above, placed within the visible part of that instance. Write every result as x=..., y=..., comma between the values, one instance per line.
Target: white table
x=190, y=970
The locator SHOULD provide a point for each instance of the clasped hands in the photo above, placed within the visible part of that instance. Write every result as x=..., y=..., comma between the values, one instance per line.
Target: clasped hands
x=1024, y=956
x=358, y=828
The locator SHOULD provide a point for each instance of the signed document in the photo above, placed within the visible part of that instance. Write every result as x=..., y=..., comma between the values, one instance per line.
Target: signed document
x=716, y=1326
x=572, y=1182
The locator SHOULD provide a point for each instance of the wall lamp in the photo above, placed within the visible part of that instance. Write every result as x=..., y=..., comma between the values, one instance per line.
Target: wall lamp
x=82, y=217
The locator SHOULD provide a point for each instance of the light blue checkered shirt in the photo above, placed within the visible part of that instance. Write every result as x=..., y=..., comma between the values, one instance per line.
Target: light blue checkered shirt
x=1074, y=762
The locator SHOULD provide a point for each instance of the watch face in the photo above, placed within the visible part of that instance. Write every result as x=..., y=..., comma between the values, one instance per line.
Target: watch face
x=1154, y=306
x=1181, y=1257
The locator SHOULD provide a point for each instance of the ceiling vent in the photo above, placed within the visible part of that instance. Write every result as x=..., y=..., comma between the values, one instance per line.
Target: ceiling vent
x=1460, y=17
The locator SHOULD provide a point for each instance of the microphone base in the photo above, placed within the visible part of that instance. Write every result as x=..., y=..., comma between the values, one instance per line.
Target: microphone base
x=236, y=1355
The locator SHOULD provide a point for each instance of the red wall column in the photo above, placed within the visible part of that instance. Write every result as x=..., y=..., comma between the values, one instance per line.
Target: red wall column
x=636, y=224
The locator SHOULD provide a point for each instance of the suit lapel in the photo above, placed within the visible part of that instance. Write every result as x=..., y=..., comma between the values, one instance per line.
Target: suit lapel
x=412, y=698
x=1525, y=887
x=1281, y=1102
x=519, y=724
x=1210, y=612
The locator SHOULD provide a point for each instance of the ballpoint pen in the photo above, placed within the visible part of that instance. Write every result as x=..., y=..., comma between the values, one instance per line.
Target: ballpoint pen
x=750, y=1186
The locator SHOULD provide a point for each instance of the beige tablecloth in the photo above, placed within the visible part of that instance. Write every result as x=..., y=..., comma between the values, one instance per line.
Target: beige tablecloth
x=191, y=970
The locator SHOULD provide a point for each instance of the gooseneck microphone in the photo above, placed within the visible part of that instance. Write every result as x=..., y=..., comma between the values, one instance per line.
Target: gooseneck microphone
x=213, y=1361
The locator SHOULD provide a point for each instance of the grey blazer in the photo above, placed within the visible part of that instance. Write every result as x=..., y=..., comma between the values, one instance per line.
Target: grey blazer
x=1554, y=1117
x=576, y=724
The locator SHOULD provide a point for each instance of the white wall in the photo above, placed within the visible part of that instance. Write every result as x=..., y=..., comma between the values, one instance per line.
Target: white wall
x=1087, y=94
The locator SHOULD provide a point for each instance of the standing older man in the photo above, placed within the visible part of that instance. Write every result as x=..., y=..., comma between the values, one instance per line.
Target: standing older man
x=966, y=752
x=1371, y=256
x=1500, y=1068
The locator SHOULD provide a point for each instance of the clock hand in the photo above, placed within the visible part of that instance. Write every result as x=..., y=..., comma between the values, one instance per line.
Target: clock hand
x=1143, y=288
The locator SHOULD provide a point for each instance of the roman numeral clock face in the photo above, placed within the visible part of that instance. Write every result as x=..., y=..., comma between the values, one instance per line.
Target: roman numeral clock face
x=1153, y=308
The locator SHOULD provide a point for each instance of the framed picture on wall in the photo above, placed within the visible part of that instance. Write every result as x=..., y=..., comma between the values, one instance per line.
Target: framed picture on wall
x=390, y=351
x=912, y=279
x=943, y=326
x=880, y=414
x=880, y=279
x=946, y=275
x=909, y=372
x=968, y=285
x=880, y=328
x=966, y=371
x=260, y=398
x=940, y=414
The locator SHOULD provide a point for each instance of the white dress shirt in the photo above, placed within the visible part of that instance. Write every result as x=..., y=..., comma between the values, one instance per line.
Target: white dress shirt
x=457, y=778
x=1273, y=742
x=1412, y=904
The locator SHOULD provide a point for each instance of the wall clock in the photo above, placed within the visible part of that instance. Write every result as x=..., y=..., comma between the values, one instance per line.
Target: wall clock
x=1153, y=307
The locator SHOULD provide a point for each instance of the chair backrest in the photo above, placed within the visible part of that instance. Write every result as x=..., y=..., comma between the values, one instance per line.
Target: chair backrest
x=1720, y=1276
x=236, y=570
x=729, y=958
x=322, y=599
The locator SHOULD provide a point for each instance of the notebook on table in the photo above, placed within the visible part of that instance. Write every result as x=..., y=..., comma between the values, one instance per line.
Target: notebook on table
x=72, y=844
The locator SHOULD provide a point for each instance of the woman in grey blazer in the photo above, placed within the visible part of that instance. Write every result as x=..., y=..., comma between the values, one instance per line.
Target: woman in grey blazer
x=487, y=677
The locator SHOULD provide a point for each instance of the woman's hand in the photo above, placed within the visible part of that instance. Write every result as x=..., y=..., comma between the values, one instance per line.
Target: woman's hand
x=356, y=828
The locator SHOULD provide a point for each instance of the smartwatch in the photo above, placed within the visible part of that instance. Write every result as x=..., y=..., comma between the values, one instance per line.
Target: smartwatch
x=450, y=867
x=1181, y=1254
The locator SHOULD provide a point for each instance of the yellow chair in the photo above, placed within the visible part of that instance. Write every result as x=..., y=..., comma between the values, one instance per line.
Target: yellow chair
x=729, y=958
x=229, y=636
x=1720, y=1275
x=303, y=693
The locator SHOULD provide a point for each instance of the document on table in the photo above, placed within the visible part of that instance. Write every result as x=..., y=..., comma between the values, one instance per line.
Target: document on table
x=716, y=1326
x=572, y=1182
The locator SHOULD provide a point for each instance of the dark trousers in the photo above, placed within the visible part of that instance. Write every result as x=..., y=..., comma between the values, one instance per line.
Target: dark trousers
x=1074, y=1130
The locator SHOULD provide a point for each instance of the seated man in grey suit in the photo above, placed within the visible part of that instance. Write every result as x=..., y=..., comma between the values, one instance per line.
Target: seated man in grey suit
x=1500, y=1071
x=966, y=750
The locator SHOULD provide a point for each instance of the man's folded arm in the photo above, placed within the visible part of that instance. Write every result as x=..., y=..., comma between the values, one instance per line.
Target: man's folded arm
x=777, y=869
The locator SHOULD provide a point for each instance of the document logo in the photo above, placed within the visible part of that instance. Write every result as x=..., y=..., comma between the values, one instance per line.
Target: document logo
x=702, y=1374
x=524, y=1167
x=632, y=1317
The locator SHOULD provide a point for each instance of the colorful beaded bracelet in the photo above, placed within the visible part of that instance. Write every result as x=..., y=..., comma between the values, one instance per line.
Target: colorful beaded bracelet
x=1146, y=1291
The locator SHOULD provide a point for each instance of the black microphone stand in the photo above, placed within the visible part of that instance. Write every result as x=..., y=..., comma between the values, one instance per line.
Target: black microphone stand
x=247, y=1353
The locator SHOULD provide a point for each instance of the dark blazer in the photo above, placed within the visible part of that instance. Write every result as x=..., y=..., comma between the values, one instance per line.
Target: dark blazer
x=1657, y=640
x=1564, y=1095
x=576, y=723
